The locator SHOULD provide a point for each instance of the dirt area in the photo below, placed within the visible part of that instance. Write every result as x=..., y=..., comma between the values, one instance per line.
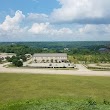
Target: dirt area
x=82, y=71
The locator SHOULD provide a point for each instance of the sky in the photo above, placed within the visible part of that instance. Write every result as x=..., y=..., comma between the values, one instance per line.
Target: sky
x=54, y=20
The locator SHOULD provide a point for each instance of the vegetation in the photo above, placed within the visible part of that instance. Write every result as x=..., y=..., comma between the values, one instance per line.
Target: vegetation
x=58, y=104
x=18, y=49
x=17, y=60
x=98, y=68
x=39, y=47
x=91, y=58
x=17, y=63
x=54, y=92
x=0, y=60
x=87, y=52
x=61, y=45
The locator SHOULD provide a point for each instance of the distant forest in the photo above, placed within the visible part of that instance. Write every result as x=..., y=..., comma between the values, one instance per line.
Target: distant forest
x=61, y=45
x=82, y=47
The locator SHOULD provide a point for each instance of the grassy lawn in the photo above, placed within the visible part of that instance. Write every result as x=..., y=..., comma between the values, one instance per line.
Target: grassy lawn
x=22, y=87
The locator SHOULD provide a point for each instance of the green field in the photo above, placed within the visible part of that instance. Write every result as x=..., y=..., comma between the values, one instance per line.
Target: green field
x=54, y=92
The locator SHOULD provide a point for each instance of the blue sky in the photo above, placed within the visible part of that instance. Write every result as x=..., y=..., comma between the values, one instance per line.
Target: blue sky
x=54, y=20
x=28, y=6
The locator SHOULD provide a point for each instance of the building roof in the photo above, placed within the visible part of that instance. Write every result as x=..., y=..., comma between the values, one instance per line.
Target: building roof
x=50, y=55
x=104, y=50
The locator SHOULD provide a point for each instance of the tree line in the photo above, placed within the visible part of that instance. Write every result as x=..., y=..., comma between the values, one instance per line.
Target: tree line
x=87, y=54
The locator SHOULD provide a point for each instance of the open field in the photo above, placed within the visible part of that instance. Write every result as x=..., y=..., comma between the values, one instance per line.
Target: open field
x=22, y=87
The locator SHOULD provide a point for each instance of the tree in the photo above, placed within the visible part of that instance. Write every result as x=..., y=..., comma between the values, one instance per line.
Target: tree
x=23, y=57
x=17, y=63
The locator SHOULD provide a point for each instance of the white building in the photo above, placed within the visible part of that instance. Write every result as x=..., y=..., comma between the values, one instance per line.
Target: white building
x=51, y=65
x=50, y=60
x=50, y=57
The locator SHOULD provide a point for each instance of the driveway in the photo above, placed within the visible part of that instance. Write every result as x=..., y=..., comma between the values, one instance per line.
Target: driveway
x=81, y=67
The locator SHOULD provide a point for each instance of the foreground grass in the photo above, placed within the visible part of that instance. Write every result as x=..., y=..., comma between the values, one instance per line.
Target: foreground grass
x=57, y=105
x=57, y=90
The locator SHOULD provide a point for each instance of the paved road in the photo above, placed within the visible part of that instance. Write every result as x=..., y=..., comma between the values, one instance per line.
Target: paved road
x=81, y=72
x=81, y=68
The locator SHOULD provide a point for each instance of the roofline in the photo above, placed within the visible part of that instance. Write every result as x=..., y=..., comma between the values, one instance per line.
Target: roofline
x=46, y=54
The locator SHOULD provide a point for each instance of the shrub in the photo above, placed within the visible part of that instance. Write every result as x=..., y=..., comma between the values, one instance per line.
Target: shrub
x=17, y=63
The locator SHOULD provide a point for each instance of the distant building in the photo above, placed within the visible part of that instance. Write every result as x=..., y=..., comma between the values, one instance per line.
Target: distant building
x=51, y=60
x=66, y=49
x=104, y=50
x=52, y=65
x=50, y=57
x=45, y=48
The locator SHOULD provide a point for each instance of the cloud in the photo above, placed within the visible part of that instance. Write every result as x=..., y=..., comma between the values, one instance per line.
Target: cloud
x=11, y=26
x=39, y=28
x=22, y=27
x=61, y=32
x=94, y=32
x=95, y=29
x=36, y=17
x=47, y=29
x=12, y=23
x=82, y=11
